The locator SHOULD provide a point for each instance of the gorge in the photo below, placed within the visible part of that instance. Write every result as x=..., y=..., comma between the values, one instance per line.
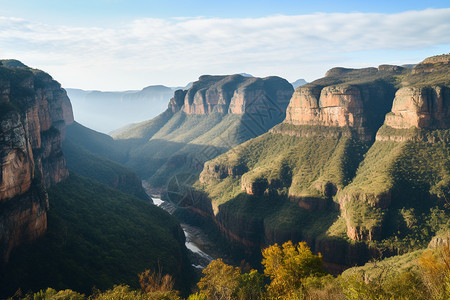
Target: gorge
x=356, y=164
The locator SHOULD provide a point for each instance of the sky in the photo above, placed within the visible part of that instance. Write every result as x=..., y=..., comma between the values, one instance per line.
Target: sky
x=131, y=44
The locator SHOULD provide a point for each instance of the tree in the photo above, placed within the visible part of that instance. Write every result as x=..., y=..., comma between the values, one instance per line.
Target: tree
x=288, y=265
x=155, y=282
x=251, y=286
x=435, y=266
x=220, y=280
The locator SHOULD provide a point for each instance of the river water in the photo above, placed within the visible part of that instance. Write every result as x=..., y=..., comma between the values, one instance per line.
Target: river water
x=196, y=240
x=201, y=249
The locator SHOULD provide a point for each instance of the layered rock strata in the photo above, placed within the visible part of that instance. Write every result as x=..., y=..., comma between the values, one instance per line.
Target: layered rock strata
x=235, y=94
x=32, y=126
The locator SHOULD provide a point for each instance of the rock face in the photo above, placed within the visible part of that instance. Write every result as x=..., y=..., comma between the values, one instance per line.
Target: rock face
x=420, y=107
x=177, y=101
x=332, y=106
x=35, y=110
x=340, y=106
x=235, y=94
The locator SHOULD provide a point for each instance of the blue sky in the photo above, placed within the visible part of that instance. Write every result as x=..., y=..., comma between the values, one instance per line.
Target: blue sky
x=118, y=45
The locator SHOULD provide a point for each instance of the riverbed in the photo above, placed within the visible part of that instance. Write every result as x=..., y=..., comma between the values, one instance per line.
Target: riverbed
x=202, y=249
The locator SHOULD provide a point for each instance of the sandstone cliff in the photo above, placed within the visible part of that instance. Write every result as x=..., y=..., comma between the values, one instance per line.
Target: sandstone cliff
x=356, y=99
x=420, y=107
x=236, y=94
x=34, y=112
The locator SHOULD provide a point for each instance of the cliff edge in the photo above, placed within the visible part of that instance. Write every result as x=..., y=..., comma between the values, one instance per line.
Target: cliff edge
x=34, y=113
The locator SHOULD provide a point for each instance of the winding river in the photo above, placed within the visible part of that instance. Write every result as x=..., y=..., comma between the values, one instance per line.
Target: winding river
x=198, y=244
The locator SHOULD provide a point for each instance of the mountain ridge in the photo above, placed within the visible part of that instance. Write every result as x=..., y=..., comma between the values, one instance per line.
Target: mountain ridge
x=325, y=148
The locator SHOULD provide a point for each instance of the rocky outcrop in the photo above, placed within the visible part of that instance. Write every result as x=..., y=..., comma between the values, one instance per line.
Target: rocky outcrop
x=445, y=58
x=221, y=171
x=177, y=101
x=420, y=113
x=441, y=240
x=340, y=106
x=32, y=127
x=236, y=94
x=420, y=107
x=332, y=106
x=17, y=163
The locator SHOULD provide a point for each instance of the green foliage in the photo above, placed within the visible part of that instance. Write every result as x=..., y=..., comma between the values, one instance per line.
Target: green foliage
x=303, y=165
x=295, y=273
x=124, y=292
x=95, y=167
x=222, y=281
x=251, y=286
x=197, y=296
x=99, y=143
x=411, y=179
x=51, y=294
x=97, y=236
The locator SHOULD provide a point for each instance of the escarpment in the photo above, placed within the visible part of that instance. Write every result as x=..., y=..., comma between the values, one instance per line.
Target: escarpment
x=329, y=125
x=359, y=155
x=34, y=112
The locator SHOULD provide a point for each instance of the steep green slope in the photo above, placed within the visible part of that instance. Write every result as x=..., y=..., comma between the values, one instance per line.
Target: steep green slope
x=95, y=167
x=282, y=163
x=400, y=190
x=97, y=236
x=97, y=143
x=214, y=115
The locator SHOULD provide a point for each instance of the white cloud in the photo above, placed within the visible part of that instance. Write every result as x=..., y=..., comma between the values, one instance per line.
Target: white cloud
x=177, y=50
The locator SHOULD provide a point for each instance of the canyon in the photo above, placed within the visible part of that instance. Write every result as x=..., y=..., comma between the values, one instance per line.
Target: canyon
x=356, y=164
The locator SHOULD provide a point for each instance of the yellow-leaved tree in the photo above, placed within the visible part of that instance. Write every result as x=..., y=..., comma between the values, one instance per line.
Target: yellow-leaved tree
x=287, y=266
x=220, y=281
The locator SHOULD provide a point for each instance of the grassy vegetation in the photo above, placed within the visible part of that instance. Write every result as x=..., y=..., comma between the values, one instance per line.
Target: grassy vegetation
x=99, y=143
x=183, y=144
x=95, y=167
x=300, y=165
x=144, y=130
x=97, y=236
x=413, y=177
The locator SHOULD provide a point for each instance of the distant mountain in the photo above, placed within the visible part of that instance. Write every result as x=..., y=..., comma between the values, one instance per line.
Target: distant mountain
x=106, y=111
x=298, y=82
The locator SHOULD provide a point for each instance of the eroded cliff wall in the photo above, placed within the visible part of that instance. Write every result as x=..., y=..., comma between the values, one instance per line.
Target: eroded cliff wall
x=34, y=112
